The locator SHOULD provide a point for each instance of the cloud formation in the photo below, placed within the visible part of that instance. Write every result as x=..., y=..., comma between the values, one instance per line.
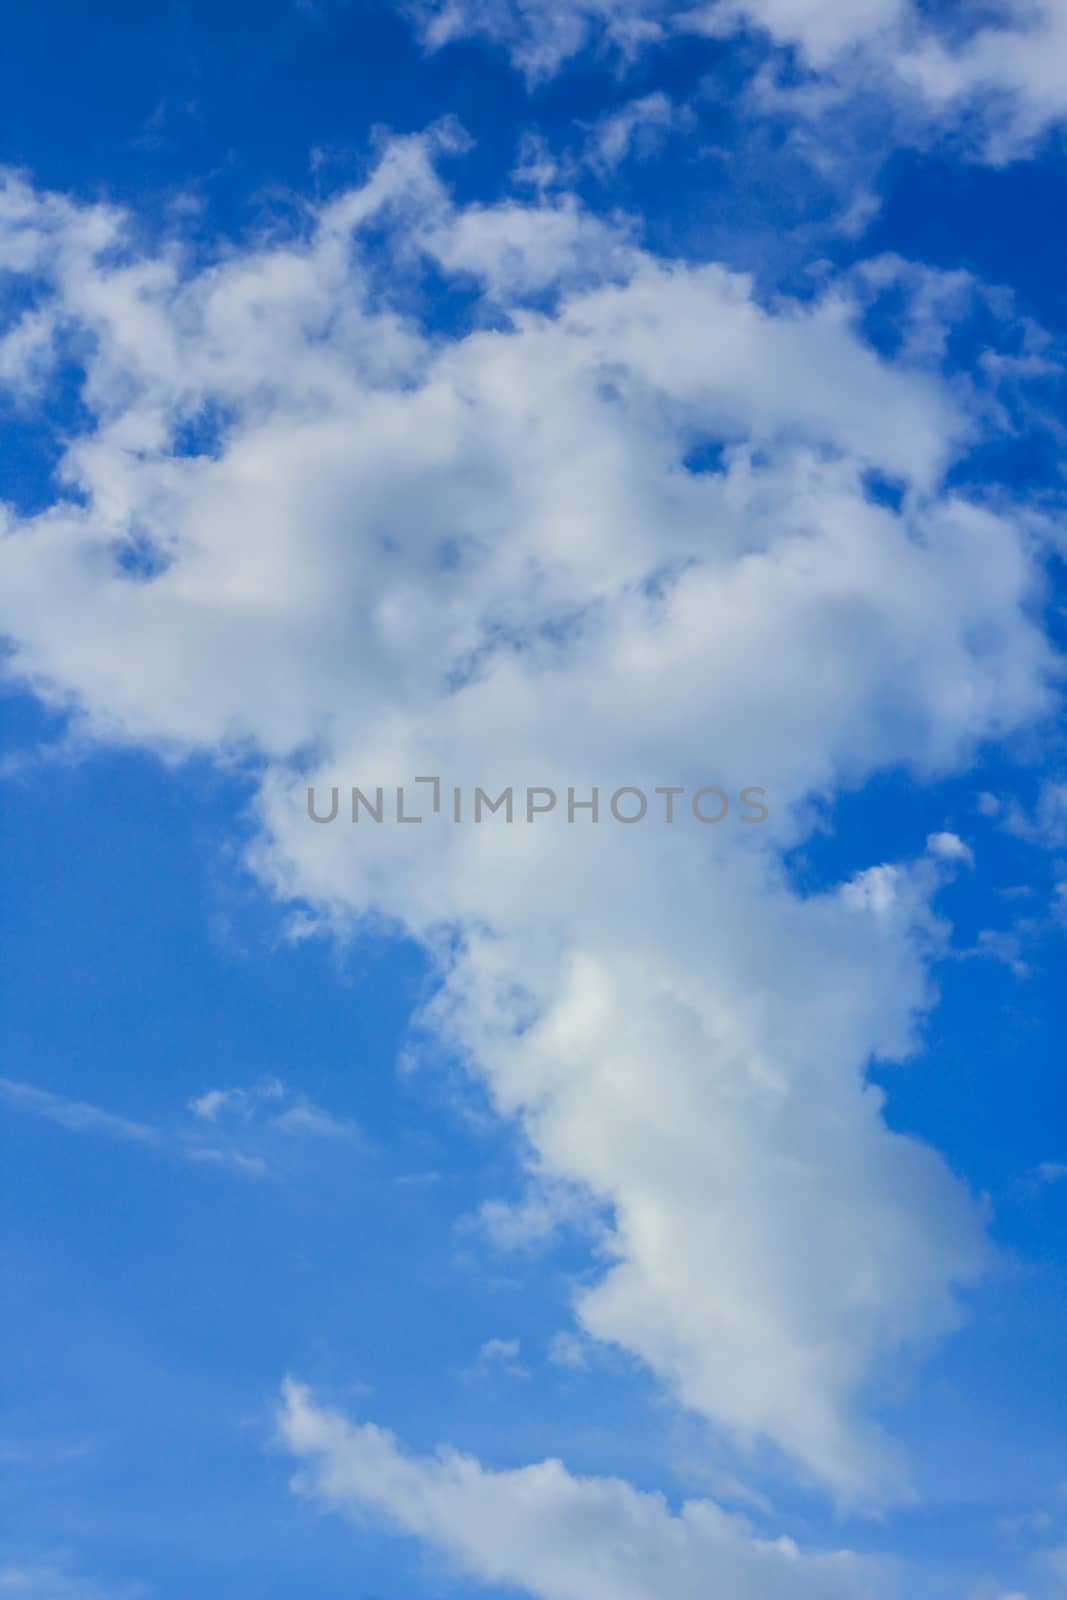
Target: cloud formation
x=553, y=1535
x=76, y=1115
x=618, y=529
x=243, y=1148
x=996, y=71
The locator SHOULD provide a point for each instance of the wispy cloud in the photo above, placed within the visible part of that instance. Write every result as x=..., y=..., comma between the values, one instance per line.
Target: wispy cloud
x=215, y=1103
x=77, y=1115
x=1045, y=825
x=305, y=1118
x=246, y=1146
x=47, y=1581
x=211, y=1155
x=501, y=1355
x=300, y=1118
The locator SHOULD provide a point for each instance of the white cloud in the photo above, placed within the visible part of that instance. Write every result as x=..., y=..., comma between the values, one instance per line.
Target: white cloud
x=638, y=126
x=1002, y=67
x=82, y=1118
x=214, y=1156
x=301, y=1119
x=46, y=1581
x=400, y=553
x=1047, y=826
x=566, y=1349
x=307, y=1119
x=1003, y=944
x=950, y=847
x=74, y=1114
x=540, y=37
x=215, y=1103
x=499, y=1349
x=548, y=1206
x=823, y=30
x=552, y=1535
x=503, y=1354
x=1012, y=66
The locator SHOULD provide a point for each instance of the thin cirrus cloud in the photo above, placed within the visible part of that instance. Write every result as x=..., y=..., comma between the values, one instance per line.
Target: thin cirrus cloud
x=214, y=1104
x=263, y=1102
x=51, y=1581
x=500, y=1355
x=76, y=1115
x=299, y=1119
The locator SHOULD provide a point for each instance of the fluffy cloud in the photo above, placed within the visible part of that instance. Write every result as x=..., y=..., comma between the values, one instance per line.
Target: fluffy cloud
x=617, y=533
x=552, y=1535
x=540, y=38
x=1004, y=64
x=1013, y=67
x=950, y=847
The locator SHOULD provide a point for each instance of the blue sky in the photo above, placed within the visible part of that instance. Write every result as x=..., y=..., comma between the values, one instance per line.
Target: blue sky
x=625, y=396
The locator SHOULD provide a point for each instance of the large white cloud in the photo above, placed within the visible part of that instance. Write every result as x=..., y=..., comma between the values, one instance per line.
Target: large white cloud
x=309, y=526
